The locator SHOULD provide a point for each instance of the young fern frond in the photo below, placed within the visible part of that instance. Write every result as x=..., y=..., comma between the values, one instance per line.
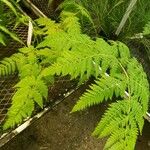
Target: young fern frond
x=47, y=26
x=29, y=63
x=70, y=23
x=31, y=88
x=79, y=11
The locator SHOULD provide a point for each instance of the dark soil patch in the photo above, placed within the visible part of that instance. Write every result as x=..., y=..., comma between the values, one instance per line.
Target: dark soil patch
x=60, y=130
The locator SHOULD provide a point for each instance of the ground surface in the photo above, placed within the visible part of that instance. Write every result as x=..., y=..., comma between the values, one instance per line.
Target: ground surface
x=60, y=130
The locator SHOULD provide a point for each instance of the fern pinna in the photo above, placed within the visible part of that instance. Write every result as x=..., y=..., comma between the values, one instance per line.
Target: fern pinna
x=117, y=74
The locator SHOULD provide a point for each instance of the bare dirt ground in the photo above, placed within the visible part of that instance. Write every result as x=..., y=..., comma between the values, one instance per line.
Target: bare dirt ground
x=60, y=130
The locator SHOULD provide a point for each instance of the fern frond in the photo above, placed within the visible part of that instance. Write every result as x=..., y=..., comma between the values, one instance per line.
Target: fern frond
x=138, y=85
x=78, y=10
x=22, y=107
x=48, y=56
x=30, y=90
x=42, y=88
x=70, y=23
x=121, y=124
x=53, y=41
x=86, y=58
x=48, y=26
x=103, y=89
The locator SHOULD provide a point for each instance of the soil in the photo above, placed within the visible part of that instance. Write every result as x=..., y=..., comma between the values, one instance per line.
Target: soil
x=60, y=130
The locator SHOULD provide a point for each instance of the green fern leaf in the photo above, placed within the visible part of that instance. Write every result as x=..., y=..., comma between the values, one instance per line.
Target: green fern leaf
x=70, y=23
x=42, y=88
x=103, y=89
x=138, y=83
x=120, y=118
x=37, y=97
x=77, y=63
x=22, y=107
x=81, y=12
x=30, y=91
x=48, y=26
x=30, y=69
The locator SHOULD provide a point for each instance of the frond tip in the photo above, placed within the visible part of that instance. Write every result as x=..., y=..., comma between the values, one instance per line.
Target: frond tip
x=30, y=91
x=121, y=125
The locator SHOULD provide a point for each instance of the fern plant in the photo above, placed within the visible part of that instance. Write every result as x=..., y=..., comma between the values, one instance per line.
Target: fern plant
x=65, y=50
x=117, y=74
x=29, y=63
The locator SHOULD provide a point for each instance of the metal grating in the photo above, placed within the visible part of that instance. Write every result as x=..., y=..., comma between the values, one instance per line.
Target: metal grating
x=12, y=45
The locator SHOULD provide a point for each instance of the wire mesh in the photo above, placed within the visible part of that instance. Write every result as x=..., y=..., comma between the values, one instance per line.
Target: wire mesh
x=7, y=83
x=12, y=46
x=6, y=92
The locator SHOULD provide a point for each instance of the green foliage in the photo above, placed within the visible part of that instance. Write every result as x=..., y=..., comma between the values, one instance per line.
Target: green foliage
x=9, y=65
x=117, y=75
x=31, y=88
x=30, y=62
x=120, y=123
x=81, y=12
x=147, y=29
x=66, y=51
x=10, y=16
x=104, y=88
x=107, y=14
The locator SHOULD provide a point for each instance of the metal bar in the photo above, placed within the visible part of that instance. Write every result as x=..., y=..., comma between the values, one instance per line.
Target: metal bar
x=126, y=16
x=31, y=6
